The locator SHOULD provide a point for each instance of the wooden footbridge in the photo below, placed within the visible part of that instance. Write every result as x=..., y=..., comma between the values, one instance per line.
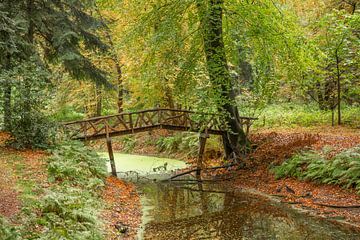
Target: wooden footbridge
x=147, y=120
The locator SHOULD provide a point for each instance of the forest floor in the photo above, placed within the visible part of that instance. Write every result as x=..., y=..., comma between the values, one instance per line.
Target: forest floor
x=122, y=204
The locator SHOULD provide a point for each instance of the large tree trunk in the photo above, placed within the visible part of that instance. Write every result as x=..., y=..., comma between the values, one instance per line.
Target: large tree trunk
x=210, y=14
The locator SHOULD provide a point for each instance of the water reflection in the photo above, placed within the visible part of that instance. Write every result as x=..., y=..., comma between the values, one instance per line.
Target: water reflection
x=199, y=211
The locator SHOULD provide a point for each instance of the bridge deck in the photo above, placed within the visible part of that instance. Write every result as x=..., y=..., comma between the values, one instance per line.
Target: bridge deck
x=146, y=120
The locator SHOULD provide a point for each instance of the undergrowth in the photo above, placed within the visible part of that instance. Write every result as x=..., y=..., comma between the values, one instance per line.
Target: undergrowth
x=69, y=207
x=304, y=115
x=343, y=169
x=187, y=143
x=7, y=232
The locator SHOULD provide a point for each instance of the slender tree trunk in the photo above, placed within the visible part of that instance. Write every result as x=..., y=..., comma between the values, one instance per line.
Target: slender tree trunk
x=210, y=14
x=116, y=60
x=7, y=98
x=98, y=91
x=338, y=88
x=320, y=97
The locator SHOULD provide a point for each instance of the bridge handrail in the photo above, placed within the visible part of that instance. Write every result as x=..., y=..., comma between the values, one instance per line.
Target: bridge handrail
x=149, y=110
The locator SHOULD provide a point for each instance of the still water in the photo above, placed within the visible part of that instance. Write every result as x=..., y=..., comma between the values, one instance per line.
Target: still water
x=174, y=211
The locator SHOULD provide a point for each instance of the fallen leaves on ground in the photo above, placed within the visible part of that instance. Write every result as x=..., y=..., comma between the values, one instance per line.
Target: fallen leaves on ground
x=123, y=211
x=32, y=166
x=275, y=147
x=9, y=202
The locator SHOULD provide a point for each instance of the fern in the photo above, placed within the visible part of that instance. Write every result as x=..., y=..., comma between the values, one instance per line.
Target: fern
x=343, y=169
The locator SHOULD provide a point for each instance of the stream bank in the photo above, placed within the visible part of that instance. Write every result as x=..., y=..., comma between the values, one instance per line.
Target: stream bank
x=273, y=148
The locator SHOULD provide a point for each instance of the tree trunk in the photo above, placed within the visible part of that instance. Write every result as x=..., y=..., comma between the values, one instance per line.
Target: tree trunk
x=210, y=14
x=98, y=100
x=338, y=88
x=320, y=97
x=116, y=60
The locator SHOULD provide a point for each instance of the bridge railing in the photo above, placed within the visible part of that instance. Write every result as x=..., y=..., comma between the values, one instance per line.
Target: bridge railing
x=133, y=122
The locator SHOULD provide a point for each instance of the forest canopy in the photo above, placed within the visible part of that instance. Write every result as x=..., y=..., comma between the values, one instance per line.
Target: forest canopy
x=65, y=60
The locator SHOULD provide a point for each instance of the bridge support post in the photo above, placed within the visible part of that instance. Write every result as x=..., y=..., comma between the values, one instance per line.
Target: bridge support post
x=111, y=153
x=202, y=142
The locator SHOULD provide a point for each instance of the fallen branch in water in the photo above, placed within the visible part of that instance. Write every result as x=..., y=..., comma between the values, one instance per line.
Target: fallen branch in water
x=196, y=169
x=206, y=191
x=198, y=180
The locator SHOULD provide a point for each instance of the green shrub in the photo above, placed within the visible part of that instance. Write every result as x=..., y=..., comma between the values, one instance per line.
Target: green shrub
x=73, y=162
x=295, y=166
x=180, y=142
x=129, y=143
x=69, y=214
x=7, y=232
x=69, y=207
x=169, y=144
x=34, y=131
x=343, y=169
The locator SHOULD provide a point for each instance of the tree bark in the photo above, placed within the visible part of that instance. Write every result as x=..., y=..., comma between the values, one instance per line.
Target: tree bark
x=210, y=15
x=338, y=88
x=98, y=91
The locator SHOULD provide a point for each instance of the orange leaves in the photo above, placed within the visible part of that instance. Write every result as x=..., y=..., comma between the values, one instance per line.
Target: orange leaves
x=123, y=208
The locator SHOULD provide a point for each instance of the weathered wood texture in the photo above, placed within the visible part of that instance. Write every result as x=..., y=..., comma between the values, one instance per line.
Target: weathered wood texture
x=160, y=118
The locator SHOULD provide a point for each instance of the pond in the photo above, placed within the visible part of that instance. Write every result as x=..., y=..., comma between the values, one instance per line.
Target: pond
x=174, y=211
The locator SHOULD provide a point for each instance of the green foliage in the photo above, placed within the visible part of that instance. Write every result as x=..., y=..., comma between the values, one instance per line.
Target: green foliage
x=300, y=114
x=343, y=169
x=67, y=113
x=73, y=163
x=294, y=167
x=69, y=210
x=7, y=232
x=69, y=207
x=181, y=142
x=70, y=213
x=129, y=143
x=30, y=127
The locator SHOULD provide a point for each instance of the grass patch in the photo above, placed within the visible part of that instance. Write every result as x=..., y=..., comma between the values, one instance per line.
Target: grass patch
x=305, y=115
x=343, y=169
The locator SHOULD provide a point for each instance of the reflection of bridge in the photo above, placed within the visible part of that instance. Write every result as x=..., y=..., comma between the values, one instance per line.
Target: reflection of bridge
x=160, y=118
x=146, y=120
